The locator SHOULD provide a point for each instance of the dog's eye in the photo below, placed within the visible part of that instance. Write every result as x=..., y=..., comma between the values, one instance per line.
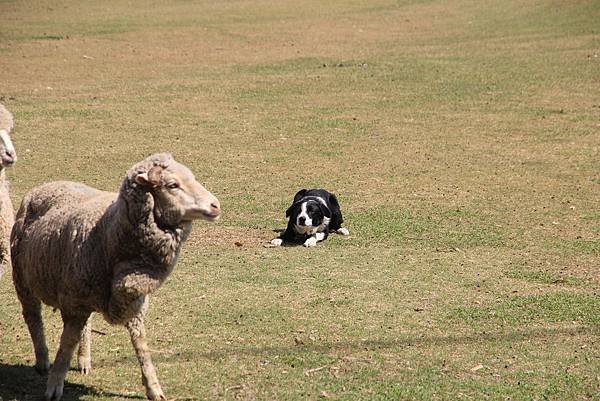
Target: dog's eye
x=173, y=185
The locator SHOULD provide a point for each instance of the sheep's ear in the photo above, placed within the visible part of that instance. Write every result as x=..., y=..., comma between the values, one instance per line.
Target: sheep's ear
x=142, y=179
x=154, y=175
x=149, y=179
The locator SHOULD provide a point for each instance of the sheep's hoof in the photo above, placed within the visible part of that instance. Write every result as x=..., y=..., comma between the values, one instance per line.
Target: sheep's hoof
x=84, y=366
x=42, y=367
x=54, y=391
x=155, y=393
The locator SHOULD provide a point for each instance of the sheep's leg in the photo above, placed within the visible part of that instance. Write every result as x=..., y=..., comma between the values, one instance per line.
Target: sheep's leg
x=137, y=331
x=32, y=313
x=84, y=353
x=129, y=289
x=73, y=325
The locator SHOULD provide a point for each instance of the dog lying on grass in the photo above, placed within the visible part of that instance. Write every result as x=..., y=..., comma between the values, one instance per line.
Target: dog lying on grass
x=314, y=213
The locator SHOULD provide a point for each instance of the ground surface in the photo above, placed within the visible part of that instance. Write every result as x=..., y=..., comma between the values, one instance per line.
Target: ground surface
x=462, y=139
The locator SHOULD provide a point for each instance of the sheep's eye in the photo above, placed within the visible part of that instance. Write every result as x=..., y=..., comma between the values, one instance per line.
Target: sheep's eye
x=173, y=185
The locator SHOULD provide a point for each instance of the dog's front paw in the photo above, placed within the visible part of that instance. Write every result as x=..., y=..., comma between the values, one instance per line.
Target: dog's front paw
x=312, y=241
x=276, y=242
x=343, y=231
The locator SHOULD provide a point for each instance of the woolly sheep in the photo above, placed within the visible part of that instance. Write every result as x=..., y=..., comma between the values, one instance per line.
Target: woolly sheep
x=8, y=157
x=82, y=250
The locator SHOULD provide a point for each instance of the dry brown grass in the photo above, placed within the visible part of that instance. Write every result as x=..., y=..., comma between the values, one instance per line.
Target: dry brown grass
x=460, y=137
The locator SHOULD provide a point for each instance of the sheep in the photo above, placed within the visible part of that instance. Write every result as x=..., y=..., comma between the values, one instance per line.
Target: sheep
x=82, y=250
x=8, y=157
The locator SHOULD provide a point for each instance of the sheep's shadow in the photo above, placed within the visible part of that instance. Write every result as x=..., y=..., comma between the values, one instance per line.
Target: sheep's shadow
x=409, y=341
x=24, y=383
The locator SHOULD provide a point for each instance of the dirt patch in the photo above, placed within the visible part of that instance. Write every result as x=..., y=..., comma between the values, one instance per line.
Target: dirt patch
x=234, y=237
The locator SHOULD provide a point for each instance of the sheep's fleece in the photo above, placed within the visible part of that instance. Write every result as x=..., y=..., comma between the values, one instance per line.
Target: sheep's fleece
x=82, y=250
x=8, y=157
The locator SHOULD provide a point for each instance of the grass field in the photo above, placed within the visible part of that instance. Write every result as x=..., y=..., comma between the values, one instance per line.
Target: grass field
x=461, y=137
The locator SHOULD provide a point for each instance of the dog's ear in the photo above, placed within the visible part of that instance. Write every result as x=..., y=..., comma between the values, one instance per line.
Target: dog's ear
x=333, y=201
x=291, y=209
x=299, y=195
x=325, y=210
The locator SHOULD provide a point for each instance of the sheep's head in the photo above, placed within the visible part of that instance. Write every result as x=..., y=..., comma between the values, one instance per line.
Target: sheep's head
x=178, y=197
x=8, y=155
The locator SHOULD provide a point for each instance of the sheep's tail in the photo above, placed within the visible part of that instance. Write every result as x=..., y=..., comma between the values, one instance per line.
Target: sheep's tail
x=34, y=205
x=27, y=213
x=6, y=119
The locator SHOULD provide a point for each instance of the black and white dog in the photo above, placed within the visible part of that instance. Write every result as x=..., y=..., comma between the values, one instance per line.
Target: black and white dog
x=313, y=215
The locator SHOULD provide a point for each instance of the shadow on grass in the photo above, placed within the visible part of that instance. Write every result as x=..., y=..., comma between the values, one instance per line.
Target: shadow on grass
x=474, y=339
x=23, y=383
x=287, y=243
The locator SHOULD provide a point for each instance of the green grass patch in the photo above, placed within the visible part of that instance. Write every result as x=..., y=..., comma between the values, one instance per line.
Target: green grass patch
x=520, y=310
x=545, y=277
x=452, y=229
x=576, y=245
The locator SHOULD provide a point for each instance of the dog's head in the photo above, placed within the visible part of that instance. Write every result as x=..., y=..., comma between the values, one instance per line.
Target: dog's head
x=308, y=214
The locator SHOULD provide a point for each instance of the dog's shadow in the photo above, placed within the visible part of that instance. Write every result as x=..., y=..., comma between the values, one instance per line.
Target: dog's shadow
x=280, y=231
x=24, y=383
